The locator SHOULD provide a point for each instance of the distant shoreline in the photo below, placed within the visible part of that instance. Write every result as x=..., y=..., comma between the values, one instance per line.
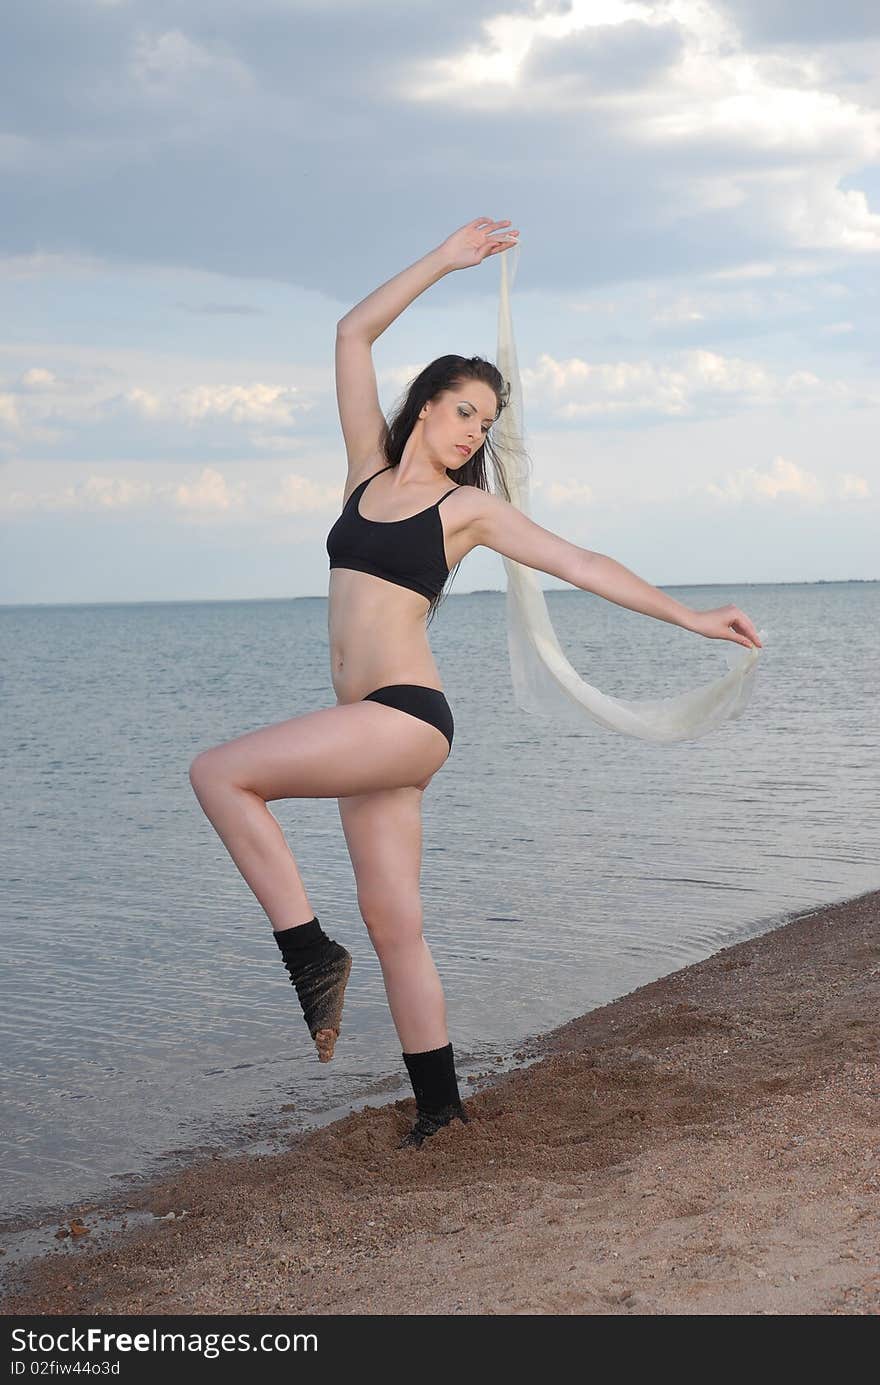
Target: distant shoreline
x=479, y=591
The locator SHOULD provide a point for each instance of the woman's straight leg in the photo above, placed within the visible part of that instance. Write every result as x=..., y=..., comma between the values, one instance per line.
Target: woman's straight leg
x=384, y=836
x=383, y=832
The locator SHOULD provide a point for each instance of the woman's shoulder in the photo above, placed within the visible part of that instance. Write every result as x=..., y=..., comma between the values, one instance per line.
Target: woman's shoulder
x=467, y=496
x=475, y=497
x=470, y=507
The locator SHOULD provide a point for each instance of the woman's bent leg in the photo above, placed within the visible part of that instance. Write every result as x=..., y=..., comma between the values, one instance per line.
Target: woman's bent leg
x=256, y=843
x=349, y=749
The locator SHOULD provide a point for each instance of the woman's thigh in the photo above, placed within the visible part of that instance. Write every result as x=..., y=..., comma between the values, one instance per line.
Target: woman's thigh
x=353, y=748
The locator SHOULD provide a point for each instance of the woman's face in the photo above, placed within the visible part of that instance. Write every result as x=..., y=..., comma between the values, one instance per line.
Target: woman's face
x=455, y=424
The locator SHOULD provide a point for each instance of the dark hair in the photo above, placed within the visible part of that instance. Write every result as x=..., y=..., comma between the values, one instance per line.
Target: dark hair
x=444, y=374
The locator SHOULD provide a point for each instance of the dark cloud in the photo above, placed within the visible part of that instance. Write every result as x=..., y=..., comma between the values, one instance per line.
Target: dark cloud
x=260, y=140
x=267, y=140
x=804, y=21
x=56, y=58
x=618, y=56
x=70, y=66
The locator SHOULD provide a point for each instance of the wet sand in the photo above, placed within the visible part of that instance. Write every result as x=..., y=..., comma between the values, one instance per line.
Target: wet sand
x=707, y=1144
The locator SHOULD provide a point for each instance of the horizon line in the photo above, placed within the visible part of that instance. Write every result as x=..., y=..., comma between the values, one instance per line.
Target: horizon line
x=478, y=591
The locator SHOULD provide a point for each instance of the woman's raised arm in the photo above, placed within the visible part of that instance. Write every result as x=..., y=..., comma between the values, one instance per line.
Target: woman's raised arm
x=469, y=245
x=357, y=393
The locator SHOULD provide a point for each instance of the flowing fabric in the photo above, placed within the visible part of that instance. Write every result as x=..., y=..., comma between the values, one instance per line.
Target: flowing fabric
x=544, y=682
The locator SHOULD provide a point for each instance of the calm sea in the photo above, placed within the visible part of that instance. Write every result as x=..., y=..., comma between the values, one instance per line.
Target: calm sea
x=146, y=1010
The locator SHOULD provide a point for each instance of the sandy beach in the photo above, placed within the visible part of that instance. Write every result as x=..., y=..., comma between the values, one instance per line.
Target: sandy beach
x=707, y=1144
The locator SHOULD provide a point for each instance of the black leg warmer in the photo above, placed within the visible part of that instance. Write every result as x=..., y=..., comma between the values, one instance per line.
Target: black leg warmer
x=434, y=1083
x=319, y=970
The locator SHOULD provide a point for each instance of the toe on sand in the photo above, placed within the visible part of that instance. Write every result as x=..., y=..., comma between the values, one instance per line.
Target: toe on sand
x=325, y=1042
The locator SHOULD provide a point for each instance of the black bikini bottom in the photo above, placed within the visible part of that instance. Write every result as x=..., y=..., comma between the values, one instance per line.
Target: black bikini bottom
x=428, y=704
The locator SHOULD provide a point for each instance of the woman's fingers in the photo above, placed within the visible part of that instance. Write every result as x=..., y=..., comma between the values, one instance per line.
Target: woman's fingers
x=475, y=241
x=728, y=623
x=502, y=241
x=745, y=626
x=493, y=237
x=485, y=224
x=497, y=249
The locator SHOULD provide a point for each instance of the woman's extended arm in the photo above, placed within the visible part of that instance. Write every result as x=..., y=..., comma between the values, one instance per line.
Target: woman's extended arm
x=611, y=580
x=496, y=524
x=467, y=246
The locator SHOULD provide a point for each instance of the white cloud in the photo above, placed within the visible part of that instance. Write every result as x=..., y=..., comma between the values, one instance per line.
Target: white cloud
x=701, y=382
x=508, y=41
x=147, y=404
x=565, y=492
x=211, y=493
x=38, y=378
x=113, y=493
x=813, y=213
x=163, y=63
x=783, y=478
x=397, y=377
x=9, y=416
x=786, y=478
x=205, y=494
x=102, y=407
x=299, y=495
x=764, y=269
x=256, y=403
x=682, y=310
x=749, y=132
x=95, y=493
x=272, y=442
x=855, y=486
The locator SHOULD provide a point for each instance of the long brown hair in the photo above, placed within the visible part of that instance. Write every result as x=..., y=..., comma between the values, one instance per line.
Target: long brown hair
x=444, y=374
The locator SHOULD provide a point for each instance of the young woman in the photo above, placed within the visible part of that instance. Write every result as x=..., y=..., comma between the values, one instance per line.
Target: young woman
x=403, y=527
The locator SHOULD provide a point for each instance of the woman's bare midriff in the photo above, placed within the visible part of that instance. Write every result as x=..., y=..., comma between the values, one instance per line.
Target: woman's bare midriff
x=378, y=631
x=377, y=635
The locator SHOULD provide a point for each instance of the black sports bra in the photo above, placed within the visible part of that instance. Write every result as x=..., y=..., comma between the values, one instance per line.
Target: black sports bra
x=412, y=556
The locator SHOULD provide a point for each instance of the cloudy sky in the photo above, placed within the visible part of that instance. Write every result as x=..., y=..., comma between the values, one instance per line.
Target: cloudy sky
x=194, y=193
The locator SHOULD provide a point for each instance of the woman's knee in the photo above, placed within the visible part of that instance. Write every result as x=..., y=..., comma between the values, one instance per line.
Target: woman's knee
x=204, y=768
x=391, y=923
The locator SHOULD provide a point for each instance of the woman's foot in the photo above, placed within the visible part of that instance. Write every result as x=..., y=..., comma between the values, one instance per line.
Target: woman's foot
x=321, y=989
x=428, y=1125
x=319, y=969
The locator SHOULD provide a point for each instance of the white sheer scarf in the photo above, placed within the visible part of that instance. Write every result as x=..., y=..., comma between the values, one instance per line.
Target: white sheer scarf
x=544, y=681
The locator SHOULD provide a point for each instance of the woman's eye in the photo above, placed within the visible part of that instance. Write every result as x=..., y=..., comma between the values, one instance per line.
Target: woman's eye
x=463, y=413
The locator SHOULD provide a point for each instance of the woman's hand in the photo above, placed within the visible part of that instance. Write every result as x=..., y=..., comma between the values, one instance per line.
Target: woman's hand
x=726, y=623
x=475, y=242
